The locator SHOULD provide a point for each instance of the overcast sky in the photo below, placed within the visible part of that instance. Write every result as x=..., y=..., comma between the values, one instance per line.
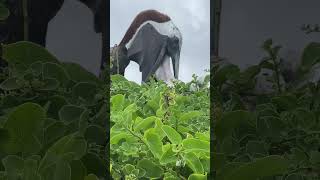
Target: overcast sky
x=192, y=17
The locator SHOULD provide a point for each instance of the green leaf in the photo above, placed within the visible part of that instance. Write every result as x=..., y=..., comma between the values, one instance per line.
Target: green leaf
x=168, y=155
x=50, y=84
x=315, y=157
x=79, y=74
x=11, y=84
x=154, y=143
x=189, y=115
x=196, y=145
x=118, y=102
x=256, y=147
x=197, y=177
x=63, y=171
x=55, y=71
x=152, y=170
x=145, y=123
x=194, y=163
x=85, y=91
x=263, y=167
x=172, y=134
x=54, y=132
x=96, y=134
x=91, y=177
x=116, y=138
x=70, y=144
x=26, y=53
x=13, y=165
x=285, y=102
x=31, y=169
x=232, y=120
x=56, y=102
x=310, y=56
x=222, y=74
x=94, y=164
x=78, y=170
x=70, y=113
x=24, y=125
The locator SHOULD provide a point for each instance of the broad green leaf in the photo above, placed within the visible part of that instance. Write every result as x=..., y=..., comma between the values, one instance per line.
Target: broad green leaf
x=232, y=120
x=196, y=145
x=31, y=169
x=13, y=165
x=68, y=145
x=116, y=138
x=197, y=177
x=117, y=102
x=56, y=102
x=194, y=163
x=172, y=134
x=189, y=115
x=310, y=56
x=70, y=113
x=152, y=170
x=168, y=155
x=91, y=177
x=285, y=102
x=11, y=84
x=254, y=147
x=24, y=124
x=263, y=167
x=78, y=170
x=95, y=134
x=315, y=157
x=63, y=171
x=222, y=74
x=203, y=136
x=55, y=71
x=144, y=124
x=54, y=132
x=50, y=84
x=94, y=164
x=154, y=143
x=79, y=74
x=27, y=53
x=128, y=168
x=85, y=91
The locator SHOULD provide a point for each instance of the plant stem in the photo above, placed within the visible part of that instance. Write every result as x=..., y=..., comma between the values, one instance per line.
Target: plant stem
x=135, y=135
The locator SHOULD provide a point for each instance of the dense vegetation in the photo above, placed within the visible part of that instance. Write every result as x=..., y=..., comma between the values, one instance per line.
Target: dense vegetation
x=53, y=118
x=160, y=132
x=274, y=136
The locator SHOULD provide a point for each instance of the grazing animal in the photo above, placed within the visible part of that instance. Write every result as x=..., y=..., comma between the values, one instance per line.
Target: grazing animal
x=151, y=40
x=40, y=12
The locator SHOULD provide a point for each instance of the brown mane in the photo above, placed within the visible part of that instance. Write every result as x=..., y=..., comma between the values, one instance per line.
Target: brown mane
x=147, y=15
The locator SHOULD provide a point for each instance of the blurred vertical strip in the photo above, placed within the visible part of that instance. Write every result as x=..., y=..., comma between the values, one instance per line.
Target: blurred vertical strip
x=215, y=25
x=105, y=59
x=215, y=11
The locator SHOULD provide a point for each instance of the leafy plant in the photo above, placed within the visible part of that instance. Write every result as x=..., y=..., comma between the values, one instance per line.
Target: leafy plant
x=53, y=121
x=274, y=135
x=159, y=132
